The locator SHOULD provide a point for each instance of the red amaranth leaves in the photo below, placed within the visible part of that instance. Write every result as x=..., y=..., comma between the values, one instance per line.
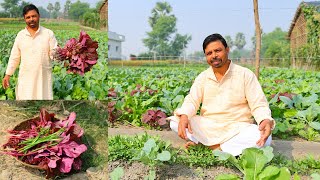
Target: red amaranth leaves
x=58, y=156
x=154, y=118
x=141, y=89
x=113, y=113
x=286, y=94
x=279, y=81
x=80, y=54
x=112, y=93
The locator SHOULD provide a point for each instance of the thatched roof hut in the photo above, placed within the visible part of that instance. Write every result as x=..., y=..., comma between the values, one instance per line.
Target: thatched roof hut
x=298, y=31
x=104, y=15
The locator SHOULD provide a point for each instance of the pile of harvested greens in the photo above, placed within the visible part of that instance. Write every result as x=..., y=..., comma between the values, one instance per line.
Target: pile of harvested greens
x=48, y=143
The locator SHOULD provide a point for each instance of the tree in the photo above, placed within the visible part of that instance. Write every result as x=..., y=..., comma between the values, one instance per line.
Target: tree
x=56, y=9
x=12, y=7
x=268, y=39
x=161, y=9
x=78, y=9
x=91, y=19
x=66, y=8
x=229, y=41
x=240, y=40
x=50, y=8
x=98, y=5
x=258, y=36
x=163, y=39
x=43, y=12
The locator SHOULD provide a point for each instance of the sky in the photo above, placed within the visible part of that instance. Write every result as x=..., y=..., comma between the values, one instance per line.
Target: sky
x=199, y=19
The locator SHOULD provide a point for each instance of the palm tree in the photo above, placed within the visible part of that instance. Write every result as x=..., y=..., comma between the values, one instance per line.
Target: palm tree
x=161, y=9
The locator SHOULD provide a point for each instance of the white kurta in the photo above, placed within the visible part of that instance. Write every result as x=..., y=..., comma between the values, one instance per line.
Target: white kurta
x=34, y=55
x=227, y=106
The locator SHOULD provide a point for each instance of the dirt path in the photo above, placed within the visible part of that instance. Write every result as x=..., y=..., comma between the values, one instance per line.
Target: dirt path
x=12, y=169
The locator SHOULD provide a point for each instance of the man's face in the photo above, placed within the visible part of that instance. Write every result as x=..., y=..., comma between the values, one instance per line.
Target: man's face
x=32, y=19
x=216, y=54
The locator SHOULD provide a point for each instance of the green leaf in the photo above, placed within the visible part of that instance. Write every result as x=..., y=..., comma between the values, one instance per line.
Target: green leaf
x=91, y=96
x=315, y=176
x=253, y=160
x=3, y=97
x=308, y=101
x=268, y=173
x=177, y=101
x=290, y=113
x=286, y=101
x=284, y=174
x=227, y=177
x=296, y=177
x=117, y=173
x=274, y=99
x=164, y=156
x=267, y=151
x=315, y=125
x=223, y=156
x=151, y=143
x=149, y=101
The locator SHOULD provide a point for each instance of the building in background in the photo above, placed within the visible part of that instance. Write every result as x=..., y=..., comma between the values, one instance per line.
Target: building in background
x=114, y=45
x=104, y=15
x=299, y=33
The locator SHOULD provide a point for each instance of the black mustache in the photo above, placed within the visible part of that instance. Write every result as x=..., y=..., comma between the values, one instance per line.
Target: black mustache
x=215, y=59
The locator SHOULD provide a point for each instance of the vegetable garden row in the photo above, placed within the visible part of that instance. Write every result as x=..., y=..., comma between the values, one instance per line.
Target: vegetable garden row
x=145, y=96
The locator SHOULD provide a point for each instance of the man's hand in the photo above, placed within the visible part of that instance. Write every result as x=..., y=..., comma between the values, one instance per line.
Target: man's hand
x=265, y=131
x=183, y=124
x=5, y=81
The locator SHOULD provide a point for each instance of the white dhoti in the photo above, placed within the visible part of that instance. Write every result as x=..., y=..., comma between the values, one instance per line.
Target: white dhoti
x=246, y=137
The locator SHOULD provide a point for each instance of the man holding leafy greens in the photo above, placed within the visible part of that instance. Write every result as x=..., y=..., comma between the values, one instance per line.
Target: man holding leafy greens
x=34, y=47
x=230, y=95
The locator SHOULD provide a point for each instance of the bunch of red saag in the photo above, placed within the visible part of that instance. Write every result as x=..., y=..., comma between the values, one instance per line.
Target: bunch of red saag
x=81, y=54
x=48, y=143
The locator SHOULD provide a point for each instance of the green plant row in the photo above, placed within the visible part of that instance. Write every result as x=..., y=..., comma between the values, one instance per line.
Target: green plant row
x=253, y=163
x=293, y=95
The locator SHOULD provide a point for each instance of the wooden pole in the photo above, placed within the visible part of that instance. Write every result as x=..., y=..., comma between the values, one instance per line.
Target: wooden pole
x=258, y=36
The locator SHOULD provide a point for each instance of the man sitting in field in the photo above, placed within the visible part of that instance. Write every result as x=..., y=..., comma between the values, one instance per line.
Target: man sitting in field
x=230, y=95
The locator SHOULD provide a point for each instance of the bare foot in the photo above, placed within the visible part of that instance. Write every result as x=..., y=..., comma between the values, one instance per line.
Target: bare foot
x=214, y=147
x=189, y=143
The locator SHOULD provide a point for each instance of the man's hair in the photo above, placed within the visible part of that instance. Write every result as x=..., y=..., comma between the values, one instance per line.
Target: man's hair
x=213, y=38
x=28, y=8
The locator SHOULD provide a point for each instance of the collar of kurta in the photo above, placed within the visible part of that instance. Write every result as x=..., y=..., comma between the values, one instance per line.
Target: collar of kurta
x=27, y=32
x=211, y=75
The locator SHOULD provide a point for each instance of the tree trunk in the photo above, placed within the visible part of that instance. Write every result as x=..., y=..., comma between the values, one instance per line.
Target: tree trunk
x=258, y=36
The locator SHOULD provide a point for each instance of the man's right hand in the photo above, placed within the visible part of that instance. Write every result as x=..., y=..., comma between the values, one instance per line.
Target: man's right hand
x=183, y=124
x=5, y=81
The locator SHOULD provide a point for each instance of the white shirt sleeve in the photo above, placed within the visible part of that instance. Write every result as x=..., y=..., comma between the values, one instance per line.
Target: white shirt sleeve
x=14, y=59
x=192, y=101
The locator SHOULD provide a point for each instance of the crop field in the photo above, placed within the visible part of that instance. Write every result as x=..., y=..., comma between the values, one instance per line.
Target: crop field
x=293, y=96
x=144, y=95
x=65, y=86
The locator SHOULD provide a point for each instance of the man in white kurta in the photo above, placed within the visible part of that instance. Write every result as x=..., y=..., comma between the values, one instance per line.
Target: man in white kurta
x=32, y=49
x=231, y=99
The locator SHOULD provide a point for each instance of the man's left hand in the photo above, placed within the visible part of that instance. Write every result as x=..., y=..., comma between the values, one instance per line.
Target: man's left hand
x=265, y=131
